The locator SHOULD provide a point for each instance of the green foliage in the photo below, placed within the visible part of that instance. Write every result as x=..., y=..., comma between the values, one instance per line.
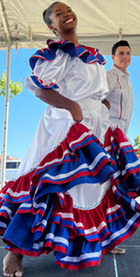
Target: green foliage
x=137, y=142
x=15, y=87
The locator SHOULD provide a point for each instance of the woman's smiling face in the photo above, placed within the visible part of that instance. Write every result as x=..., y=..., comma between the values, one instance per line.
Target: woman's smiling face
x=63, y=19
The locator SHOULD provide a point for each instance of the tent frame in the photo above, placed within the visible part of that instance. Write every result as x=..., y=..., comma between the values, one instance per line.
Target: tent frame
x=5, y=131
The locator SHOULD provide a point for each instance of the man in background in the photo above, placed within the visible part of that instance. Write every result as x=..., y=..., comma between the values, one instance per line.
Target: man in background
x=120, y=94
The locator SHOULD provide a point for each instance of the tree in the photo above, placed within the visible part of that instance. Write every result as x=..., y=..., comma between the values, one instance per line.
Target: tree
x=15, y=87
x=137, y=142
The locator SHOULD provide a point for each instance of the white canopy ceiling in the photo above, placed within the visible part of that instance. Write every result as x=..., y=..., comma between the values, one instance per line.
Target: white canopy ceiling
x=100, y=23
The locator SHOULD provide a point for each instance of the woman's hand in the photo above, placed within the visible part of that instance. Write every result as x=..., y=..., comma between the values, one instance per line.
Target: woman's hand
x=57, y=100
x=106, y=103
x=76, y=112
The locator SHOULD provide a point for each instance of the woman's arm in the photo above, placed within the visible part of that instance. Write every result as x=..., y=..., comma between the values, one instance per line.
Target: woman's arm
x=57, y=100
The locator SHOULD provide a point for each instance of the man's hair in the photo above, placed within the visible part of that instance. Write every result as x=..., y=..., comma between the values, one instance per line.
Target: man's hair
x=48, y=12
x=120, y=43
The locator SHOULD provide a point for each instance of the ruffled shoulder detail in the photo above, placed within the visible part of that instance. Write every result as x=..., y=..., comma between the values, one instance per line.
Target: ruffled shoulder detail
x=86, y=54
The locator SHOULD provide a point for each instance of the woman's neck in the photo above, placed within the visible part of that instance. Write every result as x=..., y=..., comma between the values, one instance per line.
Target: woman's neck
x=72, y=37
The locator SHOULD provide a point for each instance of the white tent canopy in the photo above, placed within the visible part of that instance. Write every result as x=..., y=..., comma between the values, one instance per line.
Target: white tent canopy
x=101, y=23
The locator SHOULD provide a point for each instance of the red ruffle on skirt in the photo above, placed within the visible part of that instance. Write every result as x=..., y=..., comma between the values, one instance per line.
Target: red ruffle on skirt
x=79, y=202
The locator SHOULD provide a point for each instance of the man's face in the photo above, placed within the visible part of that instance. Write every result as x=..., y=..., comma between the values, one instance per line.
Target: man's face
x=122, y=58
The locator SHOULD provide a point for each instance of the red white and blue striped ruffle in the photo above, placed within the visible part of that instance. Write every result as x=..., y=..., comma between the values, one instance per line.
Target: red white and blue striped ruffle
x=86, y=54
x=37, y=212
x=127, y=166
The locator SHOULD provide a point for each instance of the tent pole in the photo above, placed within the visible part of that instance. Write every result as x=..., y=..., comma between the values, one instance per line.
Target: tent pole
x=5, y=131
x=120, y=34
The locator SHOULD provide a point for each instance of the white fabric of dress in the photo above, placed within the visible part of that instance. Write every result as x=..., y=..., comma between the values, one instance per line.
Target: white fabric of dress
x=120, y=97
x=78, y=81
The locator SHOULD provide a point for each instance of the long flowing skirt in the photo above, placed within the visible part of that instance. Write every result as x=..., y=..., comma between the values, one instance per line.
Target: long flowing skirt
x=80, y=202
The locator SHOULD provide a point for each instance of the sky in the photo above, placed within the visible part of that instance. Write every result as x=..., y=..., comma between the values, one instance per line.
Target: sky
x=25, y=110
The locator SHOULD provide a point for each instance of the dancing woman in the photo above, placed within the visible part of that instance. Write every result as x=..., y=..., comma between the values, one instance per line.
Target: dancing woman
x=77, y=187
